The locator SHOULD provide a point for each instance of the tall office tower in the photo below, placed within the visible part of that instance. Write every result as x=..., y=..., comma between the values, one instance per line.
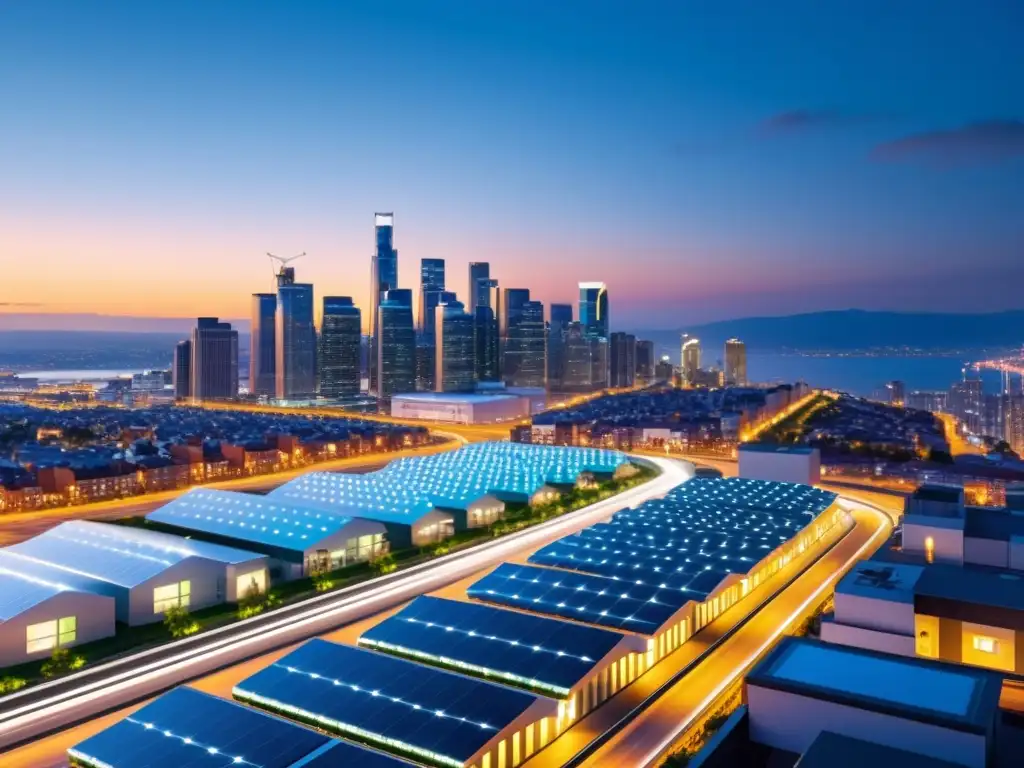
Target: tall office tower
x=425, y=361
x=966, y=403
x=341, y=330
x=485, y=344
x=262, y=354
x=294, y=342
x=455, y=361
x=396, y=350
x=735, y=363
x=533, y=335
x=431, y=286
x=509, y=314
x=599, y=359
x=645, y=361
x=214, y=365
x=689, y=359
x=478, y=270
x=583, y=360
x=384, y=278
x=622, y=360
x=561, y=316
x=594, y=309
x=1013, y=421
x=181, y=373
x=896, y=392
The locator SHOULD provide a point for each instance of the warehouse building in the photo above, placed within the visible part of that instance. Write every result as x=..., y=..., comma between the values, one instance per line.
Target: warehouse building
x=579, y=665
x=297, y=540
x=409, y=518
x=781, y=463
x=38, y=615
x=146, y=572
x=459, y=408
x=430, y=715
x=803, y=688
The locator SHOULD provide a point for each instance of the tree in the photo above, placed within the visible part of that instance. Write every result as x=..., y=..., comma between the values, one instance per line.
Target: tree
x=179, y=622
x=384, y=564
x=61, y=662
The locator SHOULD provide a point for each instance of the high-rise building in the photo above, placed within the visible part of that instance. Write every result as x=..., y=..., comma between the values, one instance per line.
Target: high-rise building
x=455, y=363
x=927, y=401
x=663, y=370
x=262, y=346
x=295, y=342
x=384, y=278
x=396, y=350
x=645, y=361
x=485, y=344
x=341, y=330
x=897, y=393
x=586, y=361
x=594, y=309
x=622, y=360
x=214, y=368
x=478, y=271
x=1013, y=419
x=966, y=403
x=425, y=362
x=523, y=342
x=181, y=373
x=561, y=317
x=689, y=362
x=735, y=363
x=431, y=286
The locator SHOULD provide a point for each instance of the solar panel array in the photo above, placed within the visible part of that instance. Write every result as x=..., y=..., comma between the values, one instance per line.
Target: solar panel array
x=512, y=648
x=187, y=728
x=409, y=708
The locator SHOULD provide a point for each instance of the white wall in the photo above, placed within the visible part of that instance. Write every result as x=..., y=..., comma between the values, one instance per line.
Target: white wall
x=461, y=411
x=874, y=613
x=783, y=466
x=859, y=637
x=792, y=722
x=208, y=586
x=947, y=533
x=94, y=618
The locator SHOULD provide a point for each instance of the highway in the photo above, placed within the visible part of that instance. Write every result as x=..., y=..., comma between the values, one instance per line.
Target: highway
x=57, y=705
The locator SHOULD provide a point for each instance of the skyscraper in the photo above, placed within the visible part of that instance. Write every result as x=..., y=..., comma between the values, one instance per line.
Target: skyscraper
x=561, y=316
x=431, y=286
x=622, y=363
x=384, y=278
x=181, y=374
x=512, y=340
x=455, y=366
x=396, y=350
x=735, y=363
x=533, y=345
x=594, y=309
x=586, y=362
x=689, y=359
x=425, y=361
x=262, y=346
x=478, y=270
x=340, y=334
x=295, y=342
x=645, y=361
x=214, y=368
x=485, y=345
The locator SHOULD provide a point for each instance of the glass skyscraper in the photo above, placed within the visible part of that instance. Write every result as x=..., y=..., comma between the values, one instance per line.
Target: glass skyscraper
x=431, y=286
x=214, y=368
x=478, y=270
x=455, y=367
x=182, y=373
x=262, y=354
x=485, y=344
x=384, y=278
x=340, y=334
x=396, y=350
x=295, y=343
x=511, y=312
x=594, y=309
x=622, y=354
x=561, y=317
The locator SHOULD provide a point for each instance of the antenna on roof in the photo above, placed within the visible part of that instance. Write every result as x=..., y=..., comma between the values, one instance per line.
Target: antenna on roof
x=283, y=275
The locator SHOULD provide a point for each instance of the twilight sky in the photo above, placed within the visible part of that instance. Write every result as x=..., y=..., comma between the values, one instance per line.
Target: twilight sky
x=707, y=160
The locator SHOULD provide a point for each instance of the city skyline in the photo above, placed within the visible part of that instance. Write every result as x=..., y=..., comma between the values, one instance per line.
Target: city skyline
x=798, y=162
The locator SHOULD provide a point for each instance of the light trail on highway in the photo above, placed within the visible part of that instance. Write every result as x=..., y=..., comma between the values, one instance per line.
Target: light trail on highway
x=51, y=706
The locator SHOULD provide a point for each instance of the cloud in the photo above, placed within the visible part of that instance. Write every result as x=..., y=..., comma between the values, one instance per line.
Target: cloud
x=983, y=143
x=801, y=120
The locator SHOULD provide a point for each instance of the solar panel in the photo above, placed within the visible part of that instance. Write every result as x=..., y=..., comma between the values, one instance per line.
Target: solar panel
x=582, y=597
x=189, y=729
x=401, y=706
x=19, y=591
x=543, y=654
x=341, y=754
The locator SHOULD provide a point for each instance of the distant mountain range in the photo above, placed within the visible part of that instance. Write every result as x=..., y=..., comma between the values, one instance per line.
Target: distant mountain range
x=856, y=329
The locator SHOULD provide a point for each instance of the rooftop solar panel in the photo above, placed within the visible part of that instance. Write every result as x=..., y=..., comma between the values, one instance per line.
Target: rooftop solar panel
x=19, y=591
x=514, y=648
x=582, y=597
x=341, y=754
x=188, y=729
x=401, y=706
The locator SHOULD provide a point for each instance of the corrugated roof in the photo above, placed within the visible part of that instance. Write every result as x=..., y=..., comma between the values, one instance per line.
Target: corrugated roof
x=19, y=591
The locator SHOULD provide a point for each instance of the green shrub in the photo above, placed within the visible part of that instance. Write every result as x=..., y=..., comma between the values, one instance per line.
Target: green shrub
x=61, y=662
x=11, y=684
x=384, y=564
x=179, y=622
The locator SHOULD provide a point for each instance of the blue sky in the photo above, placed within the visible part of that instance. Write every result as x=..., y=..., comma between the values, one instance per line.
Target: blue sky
x=707, y=160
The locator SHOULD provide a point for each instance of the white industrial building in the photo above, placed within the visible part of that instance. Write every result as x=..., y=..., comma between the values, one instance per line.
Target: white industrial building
x=37, y=615
x=298, y=538
x=782, y=463
x=145, y=572
x=461, y=408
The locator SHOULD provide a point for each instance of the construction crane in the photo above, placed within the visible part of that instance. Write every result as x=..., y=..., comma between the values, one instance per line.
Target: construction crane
x=283, y=274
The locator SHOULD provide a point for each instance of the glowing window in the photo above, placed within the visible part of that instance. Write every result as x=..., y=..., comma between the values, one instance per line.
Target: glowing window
x=48, y=635
x=172, y=595
x=986, y=644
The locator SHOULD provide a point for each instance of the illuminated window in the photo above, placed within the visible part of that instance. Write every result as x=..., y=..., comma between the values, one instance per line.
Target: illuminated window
x=985, y=644
x=48, y=635
x=171, y=595
x=929, y=548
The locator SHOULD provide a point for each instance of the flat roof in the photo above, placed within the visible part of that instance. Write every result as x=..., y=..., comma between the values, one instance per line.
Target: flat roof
x=506, y=646
x=262, y=520
x=937, y=492
x=893, y=582
x=996, y=523
x=185, y=727
x=944, y=694
x=453, y=397
x=402, y=706
x=81, y=552
x=776, y=448
x=991, y=588
x=832, y=750
x=580, y=597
